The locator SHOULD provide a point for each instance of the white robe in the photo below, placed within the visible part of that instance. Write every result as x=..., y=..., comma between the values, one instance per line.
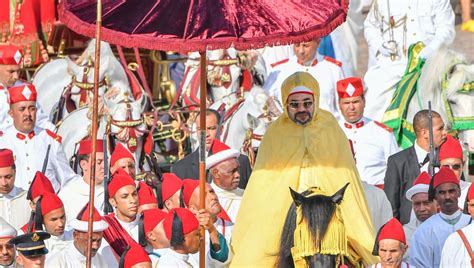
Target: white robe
x=173, y=259
x=230, y=202
x=58, y=243
x=379, y=206
x=70, y=257
x=409, y=230
x=131, y=227
x=75, y=195
x=429, y=239
x=454, y=252
x=402, y=265
x=155, y=255
x=14, y=207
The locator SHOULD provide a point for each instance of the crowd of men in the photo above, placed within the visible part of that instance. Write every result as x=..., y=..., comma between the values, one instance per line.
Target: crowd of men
x=324, y=138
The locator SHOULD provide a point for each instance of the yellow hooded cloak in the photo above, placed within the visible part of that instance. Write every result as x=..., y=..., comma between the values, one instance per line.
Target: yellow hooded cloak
x=291, y=155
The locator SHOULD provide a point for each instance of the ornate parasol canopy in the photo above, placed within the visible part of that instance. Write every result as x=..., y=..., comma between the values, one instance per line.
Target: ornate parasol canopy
x=197, y=25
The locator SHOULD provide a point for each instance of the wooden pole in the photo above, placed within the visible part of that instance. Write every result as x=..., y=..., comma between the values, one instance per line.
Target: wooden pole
x=95, y=119
x=202, y=151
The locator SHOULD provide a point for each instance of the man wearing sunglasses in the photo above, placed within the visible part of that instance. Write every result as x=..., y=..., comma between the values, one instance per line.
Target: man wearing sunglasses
x=303, y=148
x=450, y=156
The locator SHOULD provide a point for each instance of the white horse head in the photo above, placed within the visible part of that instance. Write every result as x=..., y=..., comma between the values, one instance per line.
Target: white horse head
x=62, y=76
x=127, y=123
x=448, y=81
x=223, y=75
x=247, y=120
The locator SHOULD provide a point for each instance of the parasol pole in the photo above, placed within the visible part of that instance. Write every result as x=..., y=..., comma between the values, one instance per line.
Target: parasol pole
x=95, y=115
x=202, y=150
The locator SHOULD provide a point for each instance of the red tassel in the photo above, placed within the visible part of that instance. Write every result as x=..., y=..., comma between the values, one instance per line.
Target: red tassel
x=148, y=146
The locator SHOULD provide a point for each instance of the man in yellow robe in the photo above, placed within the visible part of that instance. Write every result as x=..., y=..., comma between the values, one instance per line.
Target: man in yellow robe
x=303, y=148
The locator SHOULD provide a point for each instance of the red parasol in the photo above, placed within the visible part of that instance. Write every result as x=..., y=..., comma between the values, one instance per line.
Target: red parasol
x=197, y=25
x=184, y=25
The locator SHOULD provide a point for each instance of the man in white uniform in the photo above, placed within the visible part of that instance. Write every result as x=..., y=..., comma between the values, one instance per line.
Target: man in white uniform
x=428, y=240
x=7, y=250
x=30, y=143
x=327, y=71
x=373, y=142
x=391, y=245
x=14, y=207
x=457, y=251
x=390, y=28
x=74, y=255
x=10, y=60
x=76, y=193
x=423, y=208
x=224, y=170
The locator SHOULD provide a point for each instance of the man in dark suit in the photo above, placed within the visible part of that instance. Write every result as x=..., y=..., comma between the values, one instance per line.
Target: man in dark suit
x=188, y=167
x=403, y=167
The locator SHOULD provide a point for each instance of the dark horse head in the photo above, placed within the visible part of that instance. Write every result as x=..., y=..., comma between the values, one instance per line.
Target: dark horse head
x=316, y=210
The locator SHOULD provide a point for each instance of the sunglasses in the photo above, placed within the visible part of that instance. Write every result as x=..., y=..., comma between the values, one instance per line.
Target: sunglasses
x=453, y=167
x=295, y=104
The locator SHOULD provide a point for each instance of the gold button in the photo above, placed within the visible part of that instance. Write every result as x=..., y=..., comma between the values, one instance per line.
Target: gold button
x=27, y=154
x=412, y=20
x=29, y=182
x=27, y=168
x=414, y=34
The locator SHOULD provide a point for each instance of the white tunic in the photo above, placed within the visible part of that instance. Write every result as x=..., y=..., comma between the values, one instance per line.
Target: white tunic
x=230, y=202
x=429, y=239
x=409, y=230
x=58, y=243
x=379, y=206
x=29, y=152
x=325, y=72
x=131, y=227
x=429, y=21
x=454, y=252
x=156, y=254
x=14, y=207
x=174, y=259
x=75, y=196
x=373, y=144
x=70, y=257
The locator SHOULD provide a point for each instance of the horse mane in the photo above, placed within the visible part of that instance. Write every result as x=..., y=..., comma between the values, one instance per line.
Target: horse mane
x=442, y=62
x=317, y=211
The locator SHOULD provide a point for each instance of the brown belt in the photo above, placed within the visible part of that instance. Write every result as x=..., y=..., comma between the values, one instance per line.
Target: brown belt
x=468, y=247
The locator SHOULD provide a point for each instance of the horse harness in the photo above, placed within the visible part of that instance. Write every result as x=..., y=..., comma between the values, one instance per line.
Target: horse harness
x=458, y=123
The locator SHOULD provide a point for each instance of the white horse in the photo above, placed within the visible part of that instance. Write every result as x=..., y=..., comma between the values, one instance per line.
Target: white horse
x=447, y=80
x=63, y=77
x=223, y=75
x=121, y=118
x=246, y=120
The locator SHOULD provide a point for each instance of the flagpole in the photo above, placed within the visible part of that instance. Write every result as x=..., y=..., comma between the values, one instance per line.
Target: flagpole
x=95, y=115
x=202, y=150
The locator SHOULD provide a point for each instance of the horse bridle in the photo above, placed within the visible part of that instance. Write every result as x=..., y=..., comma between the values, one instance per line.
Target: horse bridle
x=458, y=123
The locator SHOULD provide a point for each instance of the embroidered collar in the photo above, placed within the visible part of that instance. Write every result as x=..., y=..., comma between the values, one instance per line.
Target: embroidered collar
x=22, y=136
x=311, y=63
x=356, y=125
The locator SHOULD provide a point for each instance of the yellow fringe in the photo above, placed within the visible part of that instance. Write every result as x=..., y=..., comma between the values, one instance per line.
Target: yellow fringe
x=334, y=241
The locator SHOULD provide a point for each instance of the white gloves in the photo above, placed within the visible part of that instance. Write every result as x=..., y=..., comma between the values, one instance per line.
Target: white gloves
x=425, y=53
x=388, y=48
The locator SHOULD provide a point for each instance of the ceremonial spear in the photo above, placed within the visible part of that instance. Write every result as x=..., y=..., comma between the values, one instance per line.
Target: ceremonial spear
x=95, y=115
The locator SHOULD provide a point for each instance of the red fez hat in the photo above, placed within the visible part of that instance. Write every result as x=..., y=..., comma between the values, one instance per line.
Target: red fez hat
x=220, y=153
x=85, y=146
x=470, y=193
x=133, y=255
x=119, y=179
x=80, y=223
x=444, y=175
x=188, y=221
x=189, y=185
x=145, y=194
x=10, y=55
x=170, y=185
x=451, y=148
x=24, y=92
x=393, y=229
x=50, y=202
x=152, y=217
x=350, y=87
x=6, y=158
x=39, y=186
x=420, y=185
x=119, y=153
